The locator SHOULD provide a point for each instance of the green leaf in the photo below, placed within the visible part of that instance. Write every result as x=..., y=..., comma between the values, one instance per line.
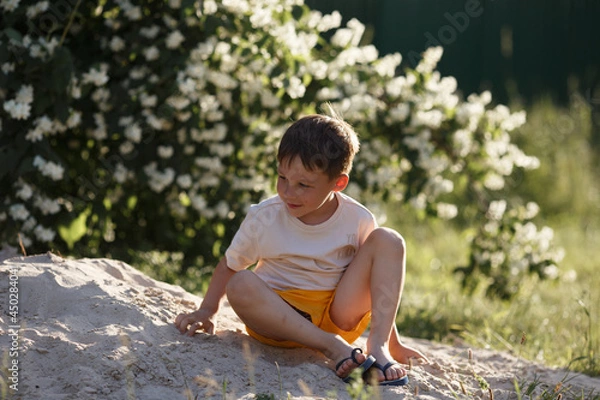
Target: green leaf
x=62, y=69
x=13, y=34
x=73, y=232
x=61, y=110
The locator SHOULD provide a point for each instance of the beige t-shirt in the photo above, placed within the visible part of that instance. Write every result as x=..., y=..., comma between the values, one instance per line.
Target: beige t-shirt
x=292, y=255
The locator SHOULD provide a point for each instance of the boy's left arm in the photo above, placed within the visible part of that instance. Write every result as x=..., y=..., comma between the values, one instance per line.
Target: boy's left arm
x=203, y=318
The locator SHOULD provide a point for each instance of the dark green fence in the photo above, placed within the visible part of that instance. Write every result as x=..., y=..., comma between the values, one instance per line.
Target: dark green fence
x=512, y=47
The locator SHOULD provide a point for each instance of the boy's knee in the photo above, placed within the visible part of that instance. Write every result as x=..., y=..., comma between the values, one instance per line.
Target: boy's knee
x=239, y=285
x=388, y=237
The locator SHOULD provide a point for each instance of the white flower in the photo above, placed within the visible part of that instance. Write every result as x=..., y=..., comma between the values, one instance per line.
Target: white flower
x=48, y=168
x=198, y=202
x=387, y=65
x=431, y=57
x=148, y=100
x=158, y=180
x=463, y=142
x=46, y=205
x=213, y=164
x=25, y=192
x=150, y=32
x=126, y=147
x=550, y=272
x=25, y=94
x=358, y=29
x=531, y=210
x=74, y=119
x=165, y=151
x=342, y=37
x=493, y=181
x=134, y=133
x=133, y=13
x=496, y=210
x=400, y=112
x=432, y=119
x=97, y=77
x=17, y=110
x=329, y=21
x=34, y=135
x=236, y=6
x=125, y=120
x=120, y=173
x=261, y=17
x=295, y=88
x=8, y=67
x=44, y=234
x=36, y=9
x=437, y=185
x=29, y=224
x=184, y=181
x=9, y=5
x=318, y=69
x=447, y=211
x=175, y=4
x=100, y=132
x=178, y=102
x=49, y=46
x=100, y=95
x=151, y=53
x=419, y=202
x=210, y=7
x=222, y=80
x=395, y=86
x=18, y=212
x=174, y=40
x=75, y=89
x=117, y=44
x=222, y=150
x=222, y=209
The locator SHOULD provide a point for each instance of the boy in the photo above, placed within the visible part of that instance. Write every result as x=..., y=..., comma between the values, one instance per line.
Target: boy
x=324, y=270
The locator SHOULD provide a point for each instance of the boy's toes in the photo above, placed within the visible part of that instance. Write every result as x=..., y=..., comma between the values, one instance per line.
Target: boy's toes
x=394, y=373
x=357, y=359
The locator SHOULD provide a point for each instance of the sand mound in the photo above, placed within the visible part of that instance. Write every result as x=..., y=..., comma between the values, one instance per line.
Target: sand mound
x=99, y=329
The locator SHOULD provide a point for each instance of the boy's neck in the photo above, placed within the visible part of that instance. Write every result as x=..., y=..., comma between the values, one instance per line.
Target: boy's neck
x=324, y=212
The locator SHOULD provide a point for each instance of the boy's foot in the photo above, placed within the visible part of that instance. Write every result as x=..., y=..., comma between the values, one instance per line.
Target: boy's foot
x=387, y=369
x=347, y=368
x=372, y=375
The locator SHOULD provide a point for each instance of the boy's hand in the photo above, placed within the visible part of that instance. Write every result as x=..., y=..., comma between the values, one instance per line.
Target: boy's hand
x=198, y=320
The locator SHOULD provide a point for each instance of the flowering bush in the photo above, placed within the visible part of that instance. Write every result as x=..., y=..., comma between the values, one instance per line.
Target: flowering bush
x=155, y=126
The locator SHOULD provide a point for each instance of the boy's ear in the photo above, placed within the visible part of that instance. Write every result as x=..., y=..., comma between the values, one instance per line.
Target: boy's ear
x=341, y=182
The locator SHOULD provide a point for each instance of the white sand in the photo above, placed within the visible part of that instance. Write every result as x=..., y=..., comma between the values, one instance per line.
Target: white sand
x=99, y=329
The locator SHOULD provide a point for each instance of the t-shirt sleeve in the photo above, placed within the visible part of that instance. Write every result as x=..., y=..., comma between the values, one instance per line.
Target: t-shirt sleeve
x=367, y=225
x=243, y=250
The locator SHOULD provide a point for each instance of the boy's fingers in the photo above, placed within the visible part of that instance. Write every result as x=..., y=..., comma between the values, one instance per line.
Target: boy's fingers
x=182, y=321
x=210, y=328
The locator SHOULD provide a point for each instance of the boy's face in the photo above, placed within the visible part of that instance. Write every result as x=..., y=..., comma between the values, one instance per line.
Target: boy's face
x=307, y=194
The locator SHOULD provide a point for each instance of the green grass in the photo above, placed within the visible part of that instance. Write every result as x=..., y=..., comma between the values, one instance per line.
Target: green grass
x=554, y=323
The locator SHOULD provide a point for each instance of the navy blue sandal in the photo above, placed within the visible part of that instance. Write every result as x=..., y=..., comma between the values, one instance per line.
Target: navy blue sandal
x=368, y=363
x=396, y=382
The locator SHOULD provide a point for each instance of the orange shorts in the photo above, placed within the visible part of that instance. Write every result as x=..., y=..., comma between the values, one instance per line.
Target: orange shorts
x=315, y=306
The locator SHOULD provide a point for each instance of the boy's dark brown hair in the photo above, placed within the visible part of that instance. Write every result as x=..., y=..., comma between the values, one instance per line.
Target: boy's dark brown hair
x=323, y=143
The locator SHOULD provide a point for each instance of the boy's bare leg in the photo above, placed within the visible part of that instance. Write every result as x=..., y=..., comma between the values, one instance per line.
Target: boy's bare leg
x=267, y=314
x=374, y=281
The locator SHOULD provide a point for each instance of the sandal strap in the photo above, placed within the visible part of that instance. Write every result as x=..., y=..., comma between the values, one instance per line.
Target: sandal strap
x=387, y=366
x=352, y=357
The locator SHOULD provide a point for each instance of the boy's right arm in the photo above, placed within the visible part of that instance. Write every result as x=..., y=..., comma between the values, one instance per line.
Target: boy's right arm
x=203, y=318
